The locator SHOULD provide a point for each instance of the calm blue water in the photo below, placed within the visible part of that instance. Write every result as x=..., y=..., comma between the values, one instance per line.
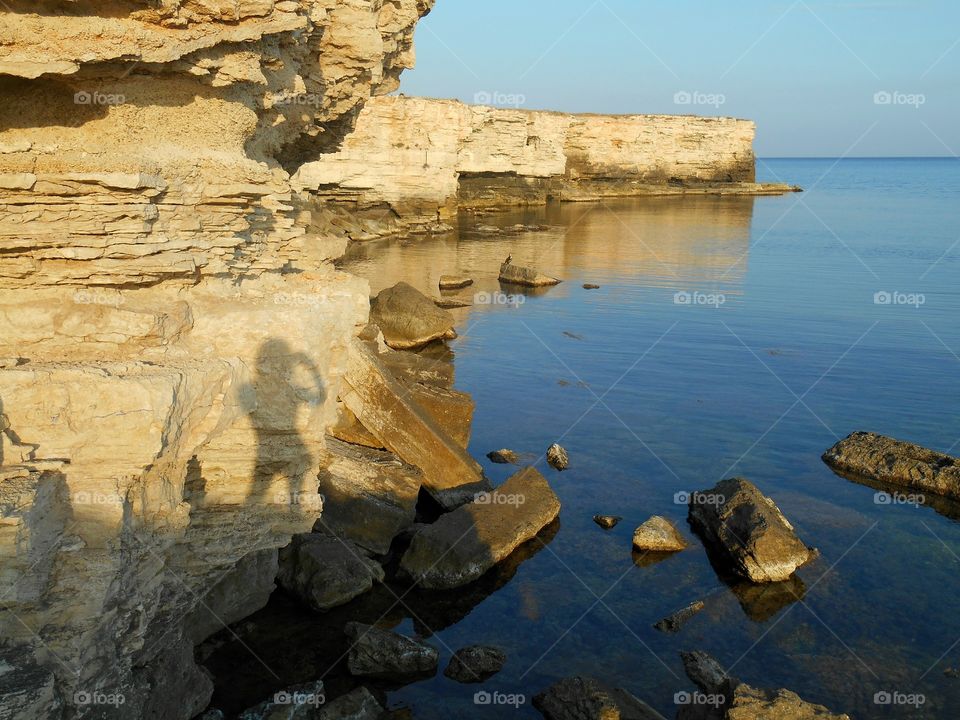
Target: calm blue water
x=652, y=397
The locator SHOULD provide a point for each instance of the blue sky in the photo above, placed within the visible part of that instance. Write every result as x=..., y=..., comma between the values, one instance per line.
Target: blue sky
x=809, y=72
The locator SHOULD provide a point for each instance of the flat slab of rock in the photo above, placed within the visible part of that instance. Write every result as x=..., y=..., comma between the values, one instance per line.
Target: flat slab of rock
x=409, y=319
x=885, y=459
x=557, y=457
x=359, y=704
x=583, y=698
x=325, y=571
x=455, y=282
x=462, y=545
x=387, y=410
x=519, y=275
x=475, y=663
x=658, y=535
x=414, y=367
x=385, y=655
x=452, y=410
x=369, y=496
x=748, y=531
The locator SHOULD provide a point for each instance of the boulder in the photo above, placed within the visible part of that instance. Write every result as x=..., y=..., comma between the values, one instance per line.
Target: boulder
x=607, y=522
x=296, y=703
x=386, y=655
x=358, y=704
x=673, y=622
x=369, y=496
x=455, y=282
x=750, y=703
x=557, y=457
x=747, y=531
x=519, y=275
x=408, y=318
x=387, y=410
x=583, y=698
x=708, y=674
x=325, y=571
x=885, y=459
x=475, y=664
x=503, y=457
x=658, y=535
x=462, y=545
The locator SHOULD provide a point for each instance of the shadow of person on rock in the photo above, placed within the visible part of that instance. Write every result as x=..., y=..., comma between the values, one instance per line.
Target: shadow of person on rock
x=285, y=381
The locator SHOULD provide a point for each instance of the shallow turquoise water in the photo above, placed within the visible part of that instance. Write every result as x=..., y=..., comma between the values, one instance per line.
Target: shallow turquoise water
x=651, y=398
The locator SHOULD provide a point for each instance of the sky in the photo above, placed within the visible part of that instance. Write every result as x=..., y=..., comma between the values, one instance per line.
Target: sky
x=871, y=78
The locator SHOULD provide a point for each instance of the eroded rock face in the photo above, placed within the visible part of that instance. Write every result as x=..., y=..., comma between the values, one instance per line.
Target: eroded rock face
x=177, y=324
x=885, y=459
x=748, y=530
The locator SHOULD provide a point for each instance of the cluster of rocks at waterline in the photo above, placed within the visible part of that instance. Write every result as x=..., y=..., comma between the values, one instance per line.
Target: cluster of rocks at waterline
x=509, y=229
x=585, y=698
x=735, y=700
x=747, y=531
x=884, y=459
x=475, y=663
x=520, y=275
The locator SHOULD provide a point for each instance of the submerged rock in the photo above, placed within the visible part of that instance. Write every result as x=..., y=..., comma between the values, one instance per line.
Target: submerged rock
x=386, y=655
x=325, y=571
x=658, y=535
x=557, y=457
x=747, y=530
x=462, y=545
x=607, y=521
x=503, y=457
x=583, y=698
x=358, y=704
x=673, y=622
x=475, y=663
x=885, y=459
x=296, y=703
x=454, y=282
x=590, y=286
x=519, y=275
x=408, y=318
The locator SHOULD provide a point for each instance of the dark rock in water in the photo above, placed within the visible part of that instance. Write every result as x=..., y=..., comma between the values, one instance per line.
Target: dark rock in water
x=748, y=531
x=386, y=655
x=583, y=698
x=475, y=663
x=325, y=571
x=707, y=674
x=503, y=457
x=885, y=459
x=302, y=702
x=359, y=704
x=672, y=623
x=408, y=318
x=607, y=521
x=454, y=282
x=519, y=275
x=462, y=545
x=658, y=535
x=557, y=457
x=952, y=673
x=590, y=286
x=574, y=336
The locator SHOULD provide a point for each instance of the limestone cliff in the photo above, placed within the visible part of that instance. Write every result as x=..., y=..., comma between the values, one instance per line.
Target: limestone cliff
x=417, y=160
x=172, y=329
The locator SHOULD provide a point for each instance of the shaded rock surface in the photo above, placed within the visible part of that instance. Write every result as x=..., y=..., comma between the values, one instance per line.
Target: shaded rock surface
x=503, y=457
x=584, y=698
x=557, y=457
x=302, y=702
x=658, y=535
x=673, y=622
x=607, y=521
x=359, y=704
x=885, y=459
x=324, y=571
x=408, y=318
x=748, y=531
x=386, y=655
x=462, y=545
x=475, y=663
x=520, y=275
